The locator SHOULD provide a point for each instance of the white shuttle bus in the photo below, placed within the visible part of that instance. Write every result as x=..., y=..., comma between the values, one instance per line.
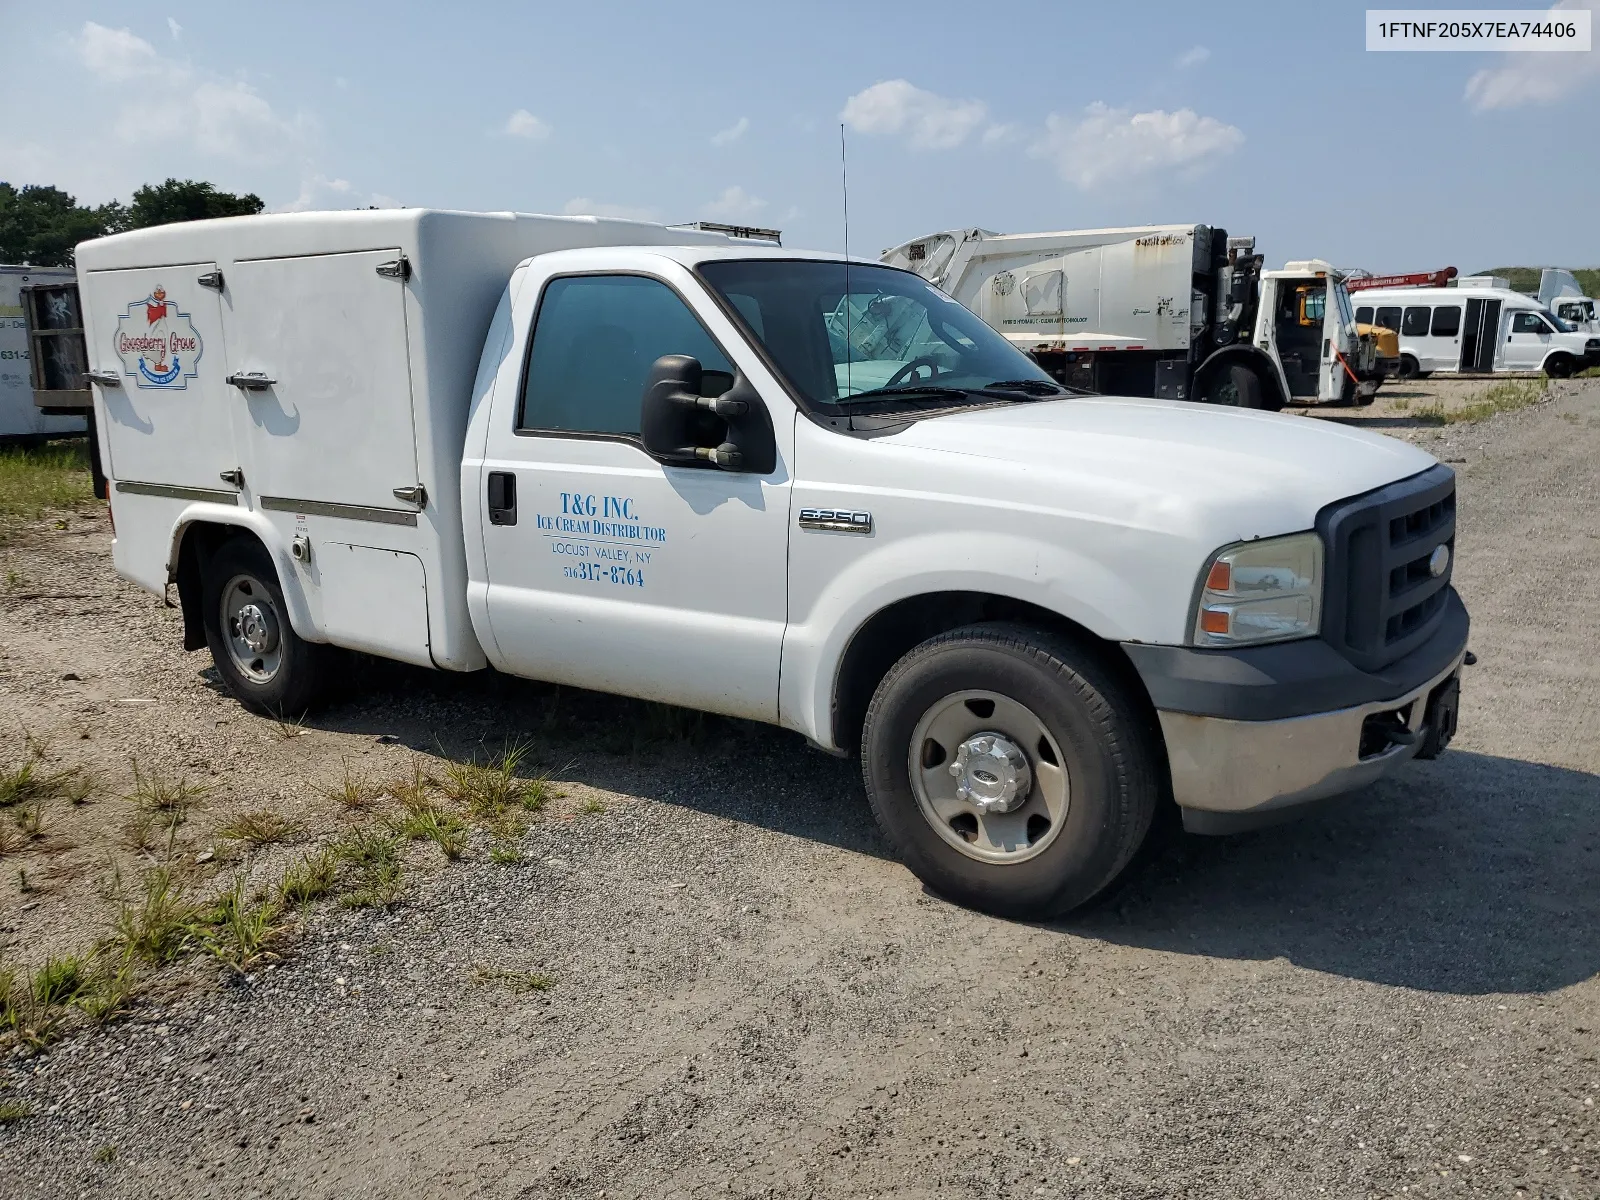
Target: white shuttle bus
x=1476, y=331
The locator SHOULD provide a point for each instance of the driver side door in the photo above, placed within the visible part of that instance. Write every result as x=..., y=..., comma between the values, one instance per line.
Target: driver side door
x=605, y=568
x=1527, y=341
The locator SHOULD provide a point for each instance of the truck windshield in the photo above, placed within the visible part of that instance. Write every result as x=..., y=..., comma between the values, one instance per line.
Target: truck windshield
x=1347, y=316
x=889, y=333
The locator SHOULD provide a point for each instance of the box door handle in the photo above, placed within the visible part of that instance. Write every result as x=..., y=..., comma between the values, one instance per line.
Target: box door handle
x=502, y=498
x=250, y=381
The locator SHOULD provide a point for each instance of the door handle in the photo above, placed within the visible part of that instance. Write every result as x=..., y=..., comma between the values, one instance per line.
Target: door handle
x=104, y=378
x=250, y=381
x=413, y=494
x=502, y=498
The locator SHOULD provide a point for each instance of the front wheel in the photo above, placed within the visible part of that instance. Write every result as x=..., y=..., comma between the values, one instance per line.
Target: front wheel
x=257, y=652
x=1012, y=772
x=1235, y=386
x=1409, y=368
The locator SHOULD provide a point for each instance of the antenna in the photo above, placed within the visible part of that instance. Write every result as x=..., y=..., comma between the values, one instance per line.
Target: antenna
x=849, y=313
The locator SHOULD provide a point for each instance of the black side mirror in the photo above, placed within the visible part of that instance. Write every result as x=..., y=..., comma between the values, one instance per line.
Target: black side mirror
x=682, y=427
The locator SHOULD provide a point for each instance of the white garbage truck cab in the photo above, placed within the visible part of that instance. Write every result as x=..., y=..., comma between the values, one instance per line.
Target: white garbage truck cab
x=783, y=486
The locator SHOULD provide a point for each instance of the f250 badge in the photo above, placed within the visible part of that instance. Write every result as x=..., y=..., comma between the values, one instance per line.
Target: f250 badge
x=836, y=520
x=158, y=345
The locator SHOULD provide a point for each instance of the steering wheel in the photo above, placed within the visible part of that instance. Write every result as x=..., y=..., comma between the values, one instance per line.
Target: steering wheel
x=905, y=372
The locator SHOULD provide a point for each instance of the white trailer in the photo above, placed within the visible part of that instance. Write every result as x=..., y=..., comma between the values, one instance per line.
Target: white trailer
x=776, y=485
x=22, y=410
x=1179, y=312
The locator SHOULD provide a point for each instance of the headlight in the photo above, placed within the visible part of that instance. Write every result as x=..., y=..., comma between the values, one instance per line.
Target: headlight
x=1264, y=591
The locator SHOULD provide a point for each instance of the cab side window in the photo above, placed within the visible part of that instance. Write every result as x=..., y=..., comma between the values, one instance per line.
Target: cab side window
x=1447, y=320
x=1527, y=322
x=1388, y=318
x=1415, y=321
x=594, y=342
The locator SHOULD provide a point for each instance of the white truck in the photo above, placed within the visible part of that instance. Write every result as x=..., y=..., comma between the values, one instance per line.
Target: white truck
x=1477, y=330
x=781, y=486
x=1562, y=294
x=38, y=366
x=1178, y=312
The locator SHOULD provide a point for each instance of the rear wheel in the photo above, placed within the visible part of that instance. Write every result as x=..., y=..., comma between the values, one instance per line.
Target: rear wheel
x=1559, y=366
x=1010, y=770
x=1235, y=386
x=257, y=652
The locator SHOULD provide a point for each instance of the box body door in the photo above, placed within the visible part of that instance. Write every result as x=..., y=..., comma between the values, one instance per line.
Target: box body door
x=335, y=426
x=170, y=421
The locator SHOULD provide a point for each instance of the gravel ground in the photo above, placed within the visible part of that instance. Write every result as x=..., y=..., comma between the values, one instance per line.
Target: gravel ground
x=747, y=997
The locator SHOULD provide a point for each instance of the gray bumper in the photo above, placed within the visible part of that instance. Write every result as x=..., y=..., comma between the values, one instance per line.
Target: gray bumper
x=1229, y=774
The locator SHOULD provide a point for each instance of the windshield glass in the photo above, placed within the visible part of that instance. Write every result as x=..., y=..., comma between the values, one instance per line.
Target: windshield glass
x=890, y=330
x=1556, y=322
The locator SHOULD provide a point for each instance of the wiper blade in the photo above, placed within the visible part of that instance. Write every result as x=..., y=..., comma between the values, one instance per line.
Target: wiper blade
x=915, y=389
x=1004, y=390
x=1036, y=387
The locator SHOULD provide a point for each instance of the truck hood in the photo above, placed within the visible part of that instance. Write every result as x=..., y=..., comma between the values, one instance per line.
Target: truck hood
x=1237, y=473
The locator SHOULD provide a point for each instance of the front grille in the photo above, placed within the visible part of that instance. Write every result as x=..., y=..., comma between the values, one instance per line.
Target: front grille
x=1382, y=599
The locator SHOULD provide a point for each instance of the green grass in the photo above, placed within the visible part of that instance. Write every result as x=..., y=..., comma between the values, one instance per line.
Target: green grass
x=61, y=980
x=31, y=782
x=35, y=480
x=240, y=934
x=487, y=789
x=429, y=823
x=373, y=858
x=1526, y=279
x=309, y=878
x=158, y=927
x=257, y=829
x=1502, y=397
x=13, y=1110
x=518, y=982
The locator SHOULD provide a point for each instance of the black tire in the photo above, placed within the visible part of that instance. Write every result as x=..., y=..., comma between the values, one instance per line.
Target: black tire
x=1108, y=748
x=1364, y=401
x=301, y=670
x=1559, y=366
x=1236, y=386
x=1409, y=368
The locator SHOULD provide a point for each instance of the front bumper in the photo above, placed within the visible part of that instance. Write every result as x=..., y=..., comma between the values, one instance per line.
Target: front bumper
x=1236, y=769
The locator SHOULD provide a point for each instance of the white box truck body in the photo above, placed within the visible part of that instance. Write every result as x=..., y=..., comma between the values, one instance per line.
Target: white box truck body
x=20, y=416
x=1178, y=312
x=641, y=460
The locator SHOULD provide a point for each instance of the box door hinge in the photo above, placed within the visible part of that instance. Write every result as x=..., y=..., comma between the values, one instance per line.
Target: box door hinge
x=399, y=268
x=416, y=494
x=235, y=477
x=211, y=279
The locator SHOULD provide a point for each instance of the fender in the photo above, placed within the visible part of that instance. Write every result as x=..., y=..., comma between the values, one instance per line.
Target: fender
x=294, y=596
x=1274, y=383
x=814, y=646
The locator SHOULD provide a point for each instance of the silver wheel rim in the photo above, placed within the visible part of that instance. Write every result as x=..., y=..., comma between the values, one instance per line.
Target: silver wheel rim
x=972, y=788
x=252, y=629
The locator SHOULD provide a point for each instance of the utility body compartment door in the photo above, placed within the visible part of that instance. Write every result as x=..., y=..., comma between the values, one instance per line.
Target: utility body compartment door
x=606, y=569
x=335, y=425
x=170, y=419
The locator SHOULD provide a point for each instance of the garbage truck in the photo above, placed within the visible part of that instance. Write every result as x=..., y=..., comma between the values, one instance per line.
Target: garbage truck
x=1177, y=312
x=783, y=486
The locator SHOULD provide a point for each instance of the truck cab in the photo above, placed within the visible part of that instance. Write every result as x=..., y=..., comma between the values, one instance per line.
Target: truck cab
x=1306, y=322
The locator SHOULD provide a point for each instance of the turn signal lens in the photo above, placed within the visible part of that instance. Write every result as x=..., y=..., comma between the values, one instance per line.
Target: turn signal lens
x=1214, y=620
x=1220, y=577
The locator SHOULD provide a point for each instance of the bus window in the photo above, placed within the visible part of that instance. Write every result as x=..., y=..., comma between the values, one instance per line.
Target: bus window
x=1389, y=318
x=1447, y=320
x=1415, y=321
x=1364, y=315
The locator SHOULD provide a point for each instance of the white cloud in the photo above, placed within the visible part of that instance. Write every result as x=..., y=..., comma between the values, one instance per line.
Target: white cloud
x=735, y=204
x=174, y=28
x=524, y=124
x=1193, y=56
x=185, y=105
x=318, y=192
x=928, y=121
x=732, y=133
x=1116, y=143
x=1535, y=77
x=117, y=55
x=582, y=206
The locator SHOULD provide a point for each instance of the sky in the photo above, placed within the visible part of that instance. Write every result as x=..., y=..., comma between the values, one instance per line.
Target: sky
x=1269, y=119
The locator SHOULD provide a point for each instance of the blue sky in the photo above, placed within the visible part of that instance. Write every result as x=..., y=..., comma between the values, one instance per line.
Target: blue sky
x=1269, y=119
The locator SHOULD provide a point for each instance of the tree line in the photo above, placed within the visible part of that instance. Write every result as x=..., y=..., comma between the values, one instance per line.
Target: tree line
x=41, y=225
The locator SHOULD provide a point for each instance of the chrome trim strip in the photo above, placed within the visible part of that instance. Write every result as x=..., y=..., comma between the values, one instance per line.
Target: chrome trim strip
x=173, y=491
x=348, y=512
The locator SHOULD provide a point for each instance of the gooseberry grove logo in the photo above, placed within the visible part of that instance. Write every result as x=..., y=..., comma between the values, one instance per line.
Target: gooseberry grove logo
x=158, y=345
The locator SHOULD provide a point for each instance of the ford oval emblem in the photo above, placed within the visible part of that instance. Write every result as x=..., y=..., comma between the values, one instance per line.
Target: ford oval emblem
x=1439, y=561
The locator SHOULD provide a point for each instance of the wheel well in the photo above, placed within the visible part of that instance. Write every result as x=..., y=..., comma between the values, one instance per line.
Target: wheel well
x=1256, y=359
x=893, y=631
x=198, y=542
